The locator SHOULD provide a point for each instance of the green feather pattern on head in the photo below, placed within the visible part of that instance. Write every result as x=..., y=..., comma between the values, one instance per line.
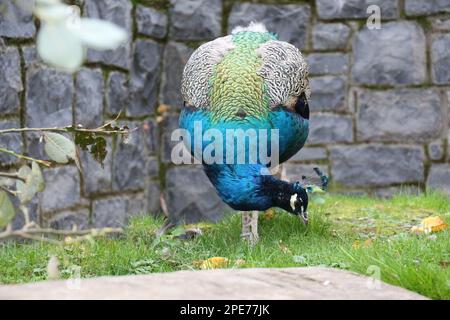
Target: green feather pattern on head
x=235, y=84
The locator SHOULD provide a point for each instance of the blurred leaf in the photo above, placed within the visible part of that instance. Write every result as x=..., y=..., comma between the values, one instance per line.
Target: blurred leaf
x=7, y=212
x=59, y=148
x=214, y=263
x=34, y=182
x=269, y=214
x=38, y=177
x=430, y=224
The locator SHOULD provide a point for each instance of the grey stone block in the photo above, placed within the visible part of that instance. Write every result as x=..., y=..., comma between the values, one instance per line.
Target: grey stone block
x=195, y=19
x=377, y=164
x=439, y=178
x=151, y=22
x=49, y=97
x=310, y=153
x=389, y=192
x=448, y=107
x=440, y=59
x=291, y=22
x=153, y=198
x=144, y=81
x=168, y=125
x=295, y=172
x=327, y=63
x=89, y=98
x=426, y=7
x=10, y=141
x=131, y=165
x=328, y=93
x=436, y=150
x=175, y=57
x=329, y=128
x=137, y=204
x=399, y=115
x=15, y=21
x=393, y=55
x=10, y=80
x=448, y=146
x=30, y=55
x=111, y=212
x=118, y=12
x=330, y=36
x=62, y=188
x=116, y=211
x=68, y=220
x=332, y=9
x=33, y=211
x=151, y=134
x=97, y=179
x=441, y=24
x=197, y=202
x=116, y=92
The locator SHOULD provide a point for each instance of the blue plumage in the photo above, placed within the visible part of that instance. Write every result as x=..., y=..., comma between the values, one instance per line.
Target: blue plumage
x=239, y=83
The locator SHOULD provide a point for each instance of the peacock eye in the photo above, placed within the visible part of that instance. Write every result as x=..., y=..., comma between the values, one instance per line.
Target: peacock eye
x=301, y=106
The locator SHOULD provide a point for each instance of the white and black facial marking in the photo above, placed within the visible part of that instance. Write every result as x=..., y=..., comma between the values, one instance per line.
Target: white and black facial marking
x=296, y=203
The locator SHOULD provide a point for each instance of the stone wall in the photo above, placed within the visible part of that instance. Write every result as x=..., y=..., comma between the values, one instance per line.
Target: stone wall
x=380, y=100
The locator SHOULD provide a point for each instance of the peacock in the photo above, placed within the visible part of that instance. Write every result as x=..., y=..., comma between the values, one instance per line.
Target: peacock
x=248, y=80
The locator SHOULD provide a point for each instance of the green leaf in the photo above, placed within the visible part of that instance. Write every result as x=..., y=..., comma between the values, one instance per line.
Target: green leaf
x=59, y=148
x=38, y=177
x=96, y=144
x=98, y=150
x=7, y=211
x=34, y=182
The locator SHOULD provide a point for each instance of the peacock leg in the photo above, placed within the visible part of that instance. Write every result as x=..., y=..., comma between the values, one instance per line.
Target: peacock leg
x=250, y=226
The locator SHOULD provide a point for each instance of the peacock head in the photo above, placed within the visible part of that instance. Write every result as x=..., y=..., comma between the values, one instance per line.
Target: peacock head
x=298, y=202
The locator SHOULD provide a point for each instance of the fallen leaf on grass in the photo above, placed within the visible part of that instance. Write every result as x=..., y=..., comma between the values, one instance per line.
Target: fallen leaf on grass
x=284, y=248
x=430, y=224
x=212, y=263
x=367, y=243
x=269, y=214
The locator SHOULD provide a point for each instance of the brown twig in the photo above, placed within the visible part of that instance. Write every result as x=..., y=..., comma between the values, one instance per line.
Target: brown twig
x=21, y=156
x=37, y=233
x=11, y=176
x=14, y=193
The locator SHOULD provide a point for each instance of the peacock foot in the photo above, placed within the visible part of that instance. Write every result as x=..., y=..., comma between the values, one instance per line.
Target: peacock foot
x=250, y=227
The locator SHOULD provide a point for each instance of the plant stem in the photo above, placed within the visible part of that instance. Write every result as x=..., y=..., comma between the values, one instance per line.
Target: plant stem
x=68, y=129
x=37, y=233
x=11, y=176
x=21, y=156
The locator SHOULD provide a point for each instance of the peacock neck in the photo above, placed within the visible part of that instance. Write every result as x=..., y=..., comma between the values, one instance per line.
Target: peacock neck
x=244, y=187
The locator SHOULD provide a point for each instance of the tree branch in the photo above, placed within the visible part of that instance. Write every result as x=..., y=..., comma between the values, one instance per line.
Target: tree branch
x=63, y=130
x=11, y=176
x=21, y=156
x=37, y=233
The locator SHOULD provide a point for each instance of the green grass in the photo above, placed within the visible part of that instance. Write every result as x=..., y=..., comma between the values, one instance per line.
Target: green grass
x=416, y=262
